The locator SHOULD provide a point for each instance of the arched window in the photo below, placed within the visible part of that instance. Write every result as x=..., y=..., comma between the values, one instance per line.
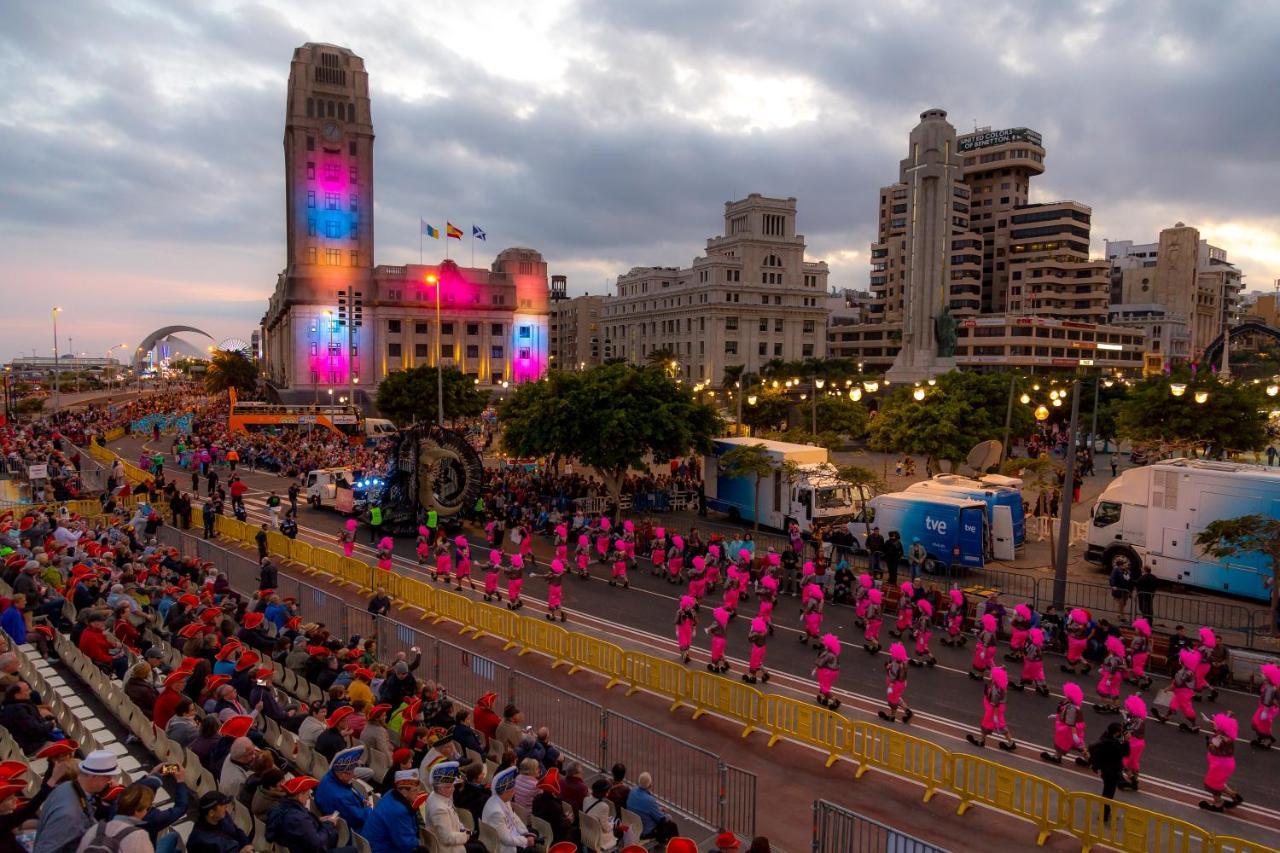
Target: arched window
x=351, y=112
x=773, y=261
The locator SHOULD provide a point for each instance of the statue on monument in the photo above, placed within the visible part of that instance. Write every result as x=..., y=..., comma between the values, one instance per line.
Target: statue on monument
x=944, y=333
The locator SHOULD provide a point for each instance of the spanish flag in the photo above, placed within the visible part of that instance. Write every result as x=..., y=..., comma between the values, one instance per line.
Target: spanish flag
x=452, y=231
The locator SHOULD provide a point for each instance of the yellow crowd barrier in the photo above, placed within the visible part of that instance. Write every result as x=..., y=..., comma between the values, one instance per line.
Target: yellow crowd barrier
x=903, y=755
x=979, y=780
x=111, y=435
x=783, y=716
x=1130, y=827
x=300, y=552
x=278, y=544
x=971, y=779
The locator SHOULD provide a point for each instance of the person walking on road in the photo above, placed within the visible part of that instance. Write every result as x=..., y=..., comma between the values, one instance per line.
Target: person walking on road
x=1222, y=764
x=1106, y=758
x=1135, y=729
x=686, y=623
x=757, y=637
x=375, y=523
x=1033, y=664
x=995, y=694
x=294, y=491
x=1068, y=727
x=273, y=507
x=826, y=668
x=895, y=679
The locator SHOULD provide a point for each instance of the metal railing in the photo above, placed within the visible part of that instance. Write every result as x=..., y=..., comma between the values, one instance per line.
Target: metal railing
x=838, y=830
x=692, y=780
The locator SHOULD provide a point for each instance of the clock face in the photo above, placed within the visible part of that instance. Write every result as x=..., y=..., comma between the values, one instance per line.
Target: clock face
x=331, y=131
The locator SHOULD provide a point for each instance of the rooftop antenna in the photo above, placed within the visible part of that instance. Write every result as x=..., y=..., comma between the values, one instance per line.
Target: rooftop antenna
x=975, y=125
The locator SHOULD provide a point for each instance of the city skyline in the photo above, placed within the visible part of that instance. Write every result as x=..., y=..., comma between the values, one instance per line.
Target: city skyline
x=603, y=136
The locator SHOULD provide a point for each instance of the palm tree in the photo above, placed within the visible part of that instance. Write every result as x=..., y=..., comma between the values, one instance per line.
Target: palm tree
x=749, y=460
x=732, y=376
x=230, y=369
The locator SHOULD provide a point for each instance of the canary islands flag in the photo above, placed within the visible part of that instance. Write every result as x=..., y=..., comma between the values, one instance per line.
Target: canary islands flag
x=433, y=233
x=452, y=231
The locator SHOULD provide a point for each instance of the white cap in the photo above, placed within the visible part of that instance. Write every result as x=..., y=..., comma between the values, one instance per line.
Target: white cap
x=100, y=762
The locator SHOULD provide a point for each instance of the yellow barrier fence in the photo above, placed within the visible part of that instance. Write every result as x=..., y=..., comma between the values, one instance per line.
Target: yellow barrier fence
x=325, y=560
x=1130, y=827
x=733, y=699
x=301, y=553
x=358, y=573
x=903, y=755
x=540, y=635
x=1231, y=844
x=111, y=435
x=278, y=544
x=596, y=655
x=657, y=675
x=494, y=621
x=979, y=780
x=783, y=716
x=454, y=607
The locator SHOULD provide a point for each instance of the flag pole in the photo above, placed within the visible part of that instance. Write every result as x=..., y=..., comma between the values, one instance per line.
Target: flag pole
x=473, y=246
x=446, y=239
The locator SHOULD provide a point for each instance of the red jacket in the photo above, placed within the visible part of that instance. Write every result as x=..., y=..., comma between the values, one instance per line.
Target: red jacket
x=238, y=488
x=94, y=643
x=166, y=704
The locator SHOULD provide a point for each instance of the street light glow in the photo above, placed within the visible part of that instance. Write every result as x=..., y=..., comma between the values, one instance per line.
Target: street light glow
x=918, y=393
x=855, y=394
x=1177, y=389
x=1042, y=413
x=1025, y=399
x=1273, y=389
x=1201, y=396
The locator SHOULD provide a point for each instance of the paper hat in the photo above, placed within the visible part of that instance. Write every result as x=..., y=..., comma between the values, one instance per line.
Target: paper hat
x=550, y=781
x=505, y=780
x=338, y=715
x=298, y=784
x=401, y=755
x=58, y=749
x=444, y=773
x=253, y=619
x=237, y=726
x=347, y=760
x=407, y=777
x=176, y=677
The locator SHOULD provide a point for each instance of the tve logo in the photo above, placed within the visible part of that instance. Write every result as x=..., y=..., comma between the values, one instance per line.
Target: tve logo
x=938, y=526
x=969, y=528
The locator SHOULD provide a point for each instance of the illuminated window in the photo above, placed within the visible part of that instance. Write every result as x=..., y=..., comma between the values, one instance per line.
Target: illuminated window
x=331, y=228
x=355, y=259
x=495, y=352
x=311, y=255
x=355, y=202
x=331, y=171
x=355, y=230
x=311, y=198
x=524, y=331
x=354, y=174
x=730, y=347
x=331, y=201
x=333, y=257
x=393, y=327
x=525, y=353
x=311, y=171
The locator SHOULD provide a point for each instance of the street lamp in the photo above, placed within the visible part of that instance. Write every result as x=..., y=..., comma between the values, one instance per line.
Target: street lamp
x=1025, y=399
x=1273, y=389
x=871, y=387
x=1177, y=389
x=434, y=281
x=56, y=311
x=918, y=394
x=1201, y=396
x=1042, y=413
x=855, y=394
x=818, y=383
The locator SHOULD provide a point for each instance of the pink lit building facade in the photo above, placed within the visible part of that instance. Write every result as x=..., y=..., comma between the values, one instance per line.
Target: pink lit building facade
x=494, y=321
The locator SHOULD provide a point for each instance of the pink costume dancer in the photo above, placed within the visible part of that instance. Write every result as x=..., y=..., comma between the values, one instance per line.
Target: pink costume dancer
x=984, y=649
x=1134, y=718
x=491, y=532
x=768, y=595
x=602, y=550
x=808, y=576
x=658, y=553
x=713, y=566
x=1208, y=642
x=994, y=696
x=582, y=554
x=1222, y=763
x=526, y=545
x=675, y=560
x=860, y=600
x=812, y=615
x=1033, y=664
x=826, y=668
x=1018, y=628
x=491, y=572
x=348, y=538
x=424, y=546
x=872, y=632
x=555, y=590
x=923, y=629
x=954, y=620
x=717, y=630
x=629, y=539
x=1068, y=727
x=1077, y=638
x=895, y=682
x=444, y=561
x=757, y=637
x=772, y=563
x=1184, y=683
x=385, y=547
x=1110, y=677
x=1139, y=651
x=906, y=609
x=515, y=580
x=733, y=590
x=686, y=621
x=462, y=560
x=698, y=577
x=1268, y=706
x=619, y=573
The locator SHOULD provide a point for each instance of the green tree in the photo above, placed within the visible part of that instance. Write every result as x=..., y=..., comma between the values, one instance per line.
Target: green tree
x=230, y=369
x=610, y=418
x=769, y=411
x=962, y=410
x=1232, y=418
x=748, y=460
x=1228, y=537
x=1040, y=477
x=842, y=415
x=409, y=396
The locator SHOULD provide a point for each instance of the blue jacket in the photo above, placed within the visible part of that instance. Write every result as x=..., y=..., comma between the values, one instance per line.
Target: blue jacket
x=646, y=806
x=298, y=830
x=393, y=826
x=222, y=837
x=14, y=625
x=276, y=614
x=332, y=795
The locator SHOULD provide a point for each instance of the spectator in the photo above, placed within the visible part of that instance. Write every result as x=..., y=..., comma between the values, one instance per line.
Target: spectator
x=472, y=794
x=157, y=819
x=727, y=842
x=125, y=831
x=235, y=770
x=393, y=824
x=12, y=620
x=206, y=739
x=1122, y=583
x=400, y=684
x=619, y=790
x=465, y=736
x=656, y=824
x=511, y=730
x=260, y=538
x=269, y=793
x=14, y=814
x=139, y=687
x=268, y=577
x=293, y=826
x=375, y=735
x=893, y=556
x=513, y=835
x=101, y=648
x=1106, y=757
x=214, y=831
x=526, y=784
x=380, y=604
x=312, y=726
x=598, y=805
x=875, y=550
x=336, y=794
x=70, y=811
x=549, y=806
x=760, y=844
x=442, y=818
x=573, y=789
x=550, y=754
x=30, y=726
x=486, y=722
x=1146, y=585
x=916, y=557
x=337, y=733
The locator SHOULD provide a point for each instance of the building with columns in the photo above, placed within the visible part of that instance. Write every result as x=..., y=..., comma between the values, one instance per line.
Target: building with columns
x=493, y=321
x=750, y=299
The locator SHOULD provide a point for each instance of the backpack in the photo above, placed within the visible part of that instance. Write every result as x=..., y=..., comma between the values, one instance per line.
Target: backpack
x=103, y=843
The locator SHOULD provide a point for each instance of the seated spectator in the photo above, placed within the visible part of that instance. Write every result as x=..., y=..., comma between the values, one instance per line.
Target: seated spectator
x=235, y=770
x=183, y=727
x=573, y=789
x=206, y=740
x=293, y=826
x=527, y=782
x=12, y=620
x=336, y=794
x=312, y=726
x=598, y=805
x=549, y=806
x=124, y=832
x=269, y=793
x=465, y=736
x=393, y=824
x=375, y=735
x=30, y=725
x=139, y=687
x=71, y=809
x=101, y=648
x=619, y=790
x=512, y=833
x=442, y=818
x=471, y=793
x=484, y=720
x=263, y=762
x=214, y=831
x=656, y=823
x=337, y=733
x=158, y=819
x=511, y=730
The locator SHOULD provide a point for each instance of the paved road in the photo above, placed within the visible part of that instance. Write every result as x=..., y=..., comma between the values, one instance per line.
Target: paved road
x=947, y=702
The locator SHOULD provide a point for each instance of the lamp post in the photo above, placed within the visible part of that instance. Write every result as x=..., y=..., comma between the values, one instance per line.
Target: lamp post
x=813, y=409
x=57, y=310
x=434, y=281
x=1068, y=490
x=1008, y=418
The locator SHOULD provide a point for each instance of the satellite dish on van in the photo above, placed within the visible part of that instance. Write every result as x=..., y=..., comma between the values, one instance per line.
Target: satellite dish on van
x=985, y=455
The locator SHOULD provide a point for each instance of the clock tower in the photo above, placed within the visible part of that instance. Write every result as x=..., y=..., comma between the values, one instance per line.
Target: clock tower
x=328, y=157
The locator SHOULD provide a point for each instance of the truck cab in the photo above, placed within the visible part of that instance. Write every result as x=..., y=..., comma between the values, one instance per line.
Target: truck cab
x=322, y=486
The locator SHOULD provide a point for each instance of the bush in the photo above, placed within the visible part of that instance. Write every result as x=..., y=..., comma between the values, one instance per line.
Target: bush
x=29, y=405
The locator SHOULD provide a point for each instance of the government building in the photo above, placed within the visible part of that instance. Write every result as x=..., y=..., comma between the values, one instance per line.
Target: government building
x=750, y=299
x=336, y=320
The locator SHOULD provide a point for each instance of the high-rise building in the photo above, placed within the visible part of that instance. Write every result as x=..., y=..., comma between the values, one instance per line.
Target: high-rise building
x=752, y=298
x=308, y=336
x=577, y=332
x=1189, y=278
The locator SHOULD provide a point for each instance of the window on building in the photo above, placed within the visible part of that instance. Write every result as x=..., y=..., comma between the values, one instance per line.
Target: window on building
x=524, y=332
x=495, y=330
x=730, y=347
x=774, y=224
x=354, y=230
x=499, y=299
x=763, y=348
x=446, y=328
x=473, y=329
x=351, y=147
x=331, y=171
x=311, y=254
x=419, y=350
x=311, y=143
x=731, y=324
x=473, y=351
x=353, y=174
x=777, y=349
x=524, y=353
x=806, y=351
x=393, y=350
x=355, y=258
x=777, y=300
x=333, y=257
x=764, y=324
x=311, y=198
x=393, y=327
x=311, y=227
x=764, y=299
x=315, y=348
x=777, y=324
x=354, y=207
x=808, y=327
x=311, y=171
x=446, y=350
x=495, y=352
x=331, y=228
x=331, y=201
x=419, y=328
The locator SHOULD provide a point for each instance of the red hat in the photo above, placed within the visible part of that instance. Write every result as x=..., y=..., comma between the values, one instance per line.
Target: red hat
x=58, y=749
x=380, y=708
x=338, y=715
x=45, y=631
x=487, y=700
x=229, y=648
x=253, y=620
x=210, y=615
x=265, y=673
x=298, y=784
x=420, y=800
x=412, y=707
x=400, y=756
x=189, y=600
x=247, y=660
x=727, y=841
x=176, y=677
x=318, y=651
x=680, y=844
x=363, y=672
x=189, y=664
x=109, y=795
x=10, y=769
x=293, y=622
x=26, y=522
x=10, y=790
x=213, y=682
x=266, y=593
x=550, y=781
x=237, y=726
x=351, y=668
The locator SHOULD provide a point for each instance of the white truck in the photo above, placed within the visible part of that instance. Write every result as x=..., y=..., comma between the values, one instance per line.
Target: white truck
x=324, y=486
x=1150, y=516
x=803, y=487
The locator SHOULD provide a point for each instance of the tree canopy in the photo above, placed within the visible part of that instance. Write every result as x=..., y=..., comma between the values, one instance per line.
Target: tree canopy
x=1228, y=537
x=1232, y=418
x=962, y=410
x=842, y=415
x=409, y=396
x=609, y=417
x=230, y=369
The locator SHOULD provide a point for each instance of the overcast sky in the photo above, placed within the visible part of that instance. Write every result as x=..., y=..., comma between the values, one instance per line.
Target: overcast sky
x=143, y=138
